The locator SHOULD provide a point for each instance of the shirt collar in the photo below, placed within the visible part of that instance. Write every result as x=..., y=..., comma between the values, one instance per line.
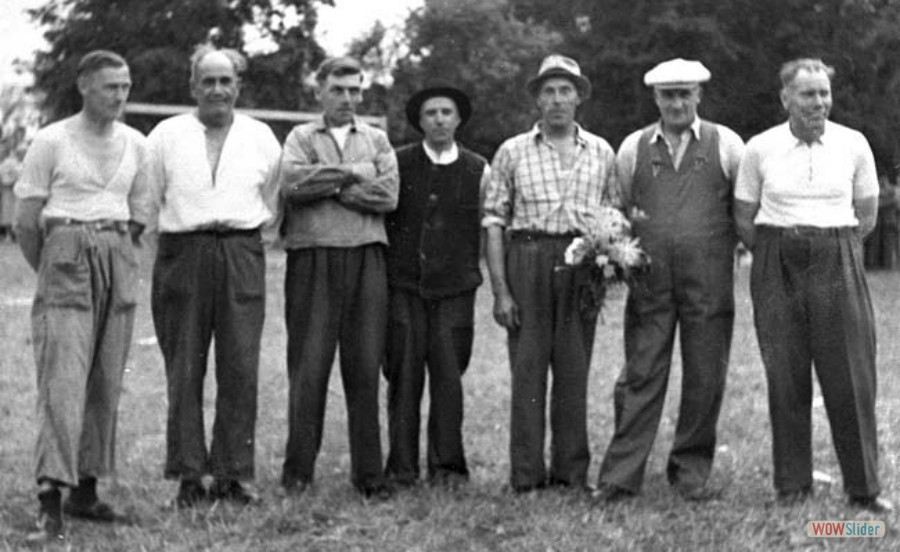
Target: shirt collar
x=658, y=132
x=441, y=157
x=538, y=135
x=322, y=126
x=798, y=142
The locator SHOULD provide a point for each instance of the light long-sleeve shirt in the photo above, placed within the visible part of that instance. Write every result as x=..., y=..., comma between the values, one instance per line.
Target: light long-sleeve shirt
x=530, y=190
x=243, y=193
x=337, y=196
x=731, y=149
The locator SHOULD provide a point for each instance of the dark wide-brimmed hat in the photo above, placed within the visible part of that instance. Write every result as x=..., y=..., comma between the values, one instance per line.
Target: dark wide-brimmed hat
x=414, y=105
x=556, y=65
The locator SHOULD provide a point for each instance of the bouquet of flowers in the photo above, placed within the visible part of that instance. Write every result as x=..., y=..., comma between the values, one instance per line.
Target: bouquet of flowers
x=608, y=254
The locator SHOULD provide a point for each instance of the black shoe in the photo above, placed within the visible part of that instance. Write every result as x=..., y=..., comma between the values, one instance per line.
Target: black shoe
x=796, y=496
x=607, y=494
x=95, y=511
x=525, y=489
x=874, y=504
x=378, y=491
x=296, y=487
x=50, y=521
x=698, y=494
x=233, y=491
x=191, y=492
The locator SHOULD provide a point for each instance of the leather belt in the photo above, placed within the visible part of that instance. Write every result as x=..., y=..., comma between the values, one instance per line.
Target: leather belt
x=532, y=235
x=103, y=225
x=808, y=231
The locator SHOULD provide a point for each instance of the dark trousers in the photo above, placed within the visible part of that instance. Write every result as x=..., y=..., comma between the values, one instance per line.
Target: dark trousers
x=334, y=296
x=690, y=287
x=555, y=332
x=437, y=333
x=209, y=284
x=811, y=306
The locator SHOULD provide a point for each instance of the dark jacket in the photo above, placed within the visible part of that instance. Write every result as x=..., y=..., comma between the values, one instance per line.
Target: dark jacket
x=435, y=233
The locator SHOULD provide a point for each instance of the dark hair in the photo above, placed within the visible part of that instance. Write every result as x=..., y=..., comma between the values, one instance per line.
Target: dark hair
x=99, y=59
x=790, y=69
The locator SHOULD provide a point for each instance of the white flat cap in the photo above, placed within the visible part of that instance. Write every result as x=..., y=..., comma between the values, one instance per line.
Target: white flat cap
x=677, y=73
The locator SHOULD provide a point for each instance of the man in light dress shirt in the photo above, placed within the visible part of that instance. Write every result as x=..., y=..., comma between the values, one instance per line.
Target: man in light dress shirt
x=676, y=177
x=339, y=178
x=806, y=195
x=82, y=186
x=215, y=178
x=547, y=186
x=433, y=272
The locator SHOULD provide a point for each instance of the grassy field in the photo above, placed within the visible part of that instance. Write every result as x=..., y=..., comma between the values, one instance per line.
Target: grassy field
x=483, y=515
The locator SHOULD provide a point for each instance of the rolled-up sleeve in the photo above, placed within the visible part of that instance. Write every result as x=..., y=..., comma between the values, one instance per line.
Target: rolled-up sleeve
x=498, y=192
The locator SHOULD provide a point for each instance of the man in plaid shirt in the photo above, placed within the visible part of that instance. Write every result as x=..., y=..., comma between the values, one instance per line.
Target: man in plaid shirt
x=546, y=188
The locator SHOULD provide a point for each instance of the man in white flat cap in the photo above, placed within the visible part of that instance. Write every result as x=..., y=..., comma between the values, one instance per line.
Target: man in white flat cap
x=547, y=186
x=676, y=177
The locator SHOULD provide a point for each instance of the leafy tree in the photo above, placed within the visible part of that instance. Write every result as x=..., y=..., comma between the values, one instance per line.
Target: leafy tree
x=743, y=42
x=158, y=36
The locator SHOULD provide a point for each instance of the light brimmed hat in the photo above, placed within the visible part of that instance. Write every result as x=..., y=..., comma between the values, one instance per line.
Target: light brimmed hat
x=677, y=73
x=414, y=105
x=556, y=65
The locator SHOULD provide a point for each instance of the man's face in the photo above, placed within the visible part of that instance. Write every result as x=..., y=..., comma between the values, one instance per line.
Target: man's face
x=104, y=92
x=215, y=87
x=557, y=98
x=339, y=96
x=807, y=100
x=677, y=106
x=439, y=120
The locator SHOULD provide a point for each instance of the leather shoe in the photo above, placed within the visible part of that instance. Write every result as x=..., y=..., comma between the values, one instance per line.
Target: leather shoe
x=95, y=511
x=50, y=521
x=698, y=494
x=233, y=491
x=296, y=487
x=874, y=504
x=790, y=498
x=378, y=491
x=607, y=494
x=190, y=493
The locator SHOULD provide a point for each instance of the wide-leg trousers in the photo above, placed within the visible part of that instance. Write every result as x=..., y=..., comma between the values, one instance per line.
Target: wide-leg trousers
x=82, y=321
x=436, y=333
x=690, y=287
x=812, y=308
x=555, y=332
x=335, y=297
x=205, y=285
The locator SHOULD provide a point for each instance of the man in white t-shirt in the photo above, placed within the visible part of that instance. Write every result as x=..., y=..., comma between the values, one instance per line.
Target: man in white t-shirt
x=82, y=188
x=805, y=197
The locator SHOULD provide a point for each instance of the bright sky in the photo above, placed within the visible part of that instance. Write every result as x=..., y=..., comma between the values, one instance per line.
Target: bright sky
x=337, y=26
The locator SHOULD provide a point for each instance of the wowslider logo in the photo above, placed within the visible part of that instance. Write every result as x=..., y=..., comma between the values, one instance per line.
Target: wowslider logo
x=845, y=529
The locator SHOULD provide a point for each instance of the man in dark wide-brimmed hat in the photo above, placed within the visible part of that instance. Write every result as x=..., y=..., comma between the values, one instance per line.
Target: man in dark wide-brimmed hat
x=432, y=265
x=547, y=186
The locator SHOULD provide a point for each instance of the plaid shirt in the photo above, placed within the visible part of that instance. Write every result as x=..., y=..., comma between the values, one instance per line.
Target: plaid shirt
x=529, y=189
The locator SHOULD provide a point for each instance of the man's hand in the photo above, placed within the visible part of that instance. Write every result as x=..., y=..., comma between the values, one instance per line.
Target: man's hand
x=364, y=171
x=506, y=311
x=136, y=229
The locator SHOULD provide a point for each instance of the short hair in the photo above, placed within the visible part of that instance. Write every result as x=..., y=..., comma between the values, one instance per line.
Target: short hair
x=812, y=65
x=99, y=59
x=339, y=67
x=238, y=61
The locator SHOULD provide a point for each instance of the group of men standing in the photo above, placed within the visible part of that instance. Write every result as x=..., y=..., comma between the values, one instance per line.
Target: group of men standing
x=383, y=252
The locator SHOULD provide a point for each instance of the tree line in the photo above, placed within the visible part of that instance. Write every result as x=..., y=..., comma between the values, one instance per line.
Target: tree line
x=490, y=48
